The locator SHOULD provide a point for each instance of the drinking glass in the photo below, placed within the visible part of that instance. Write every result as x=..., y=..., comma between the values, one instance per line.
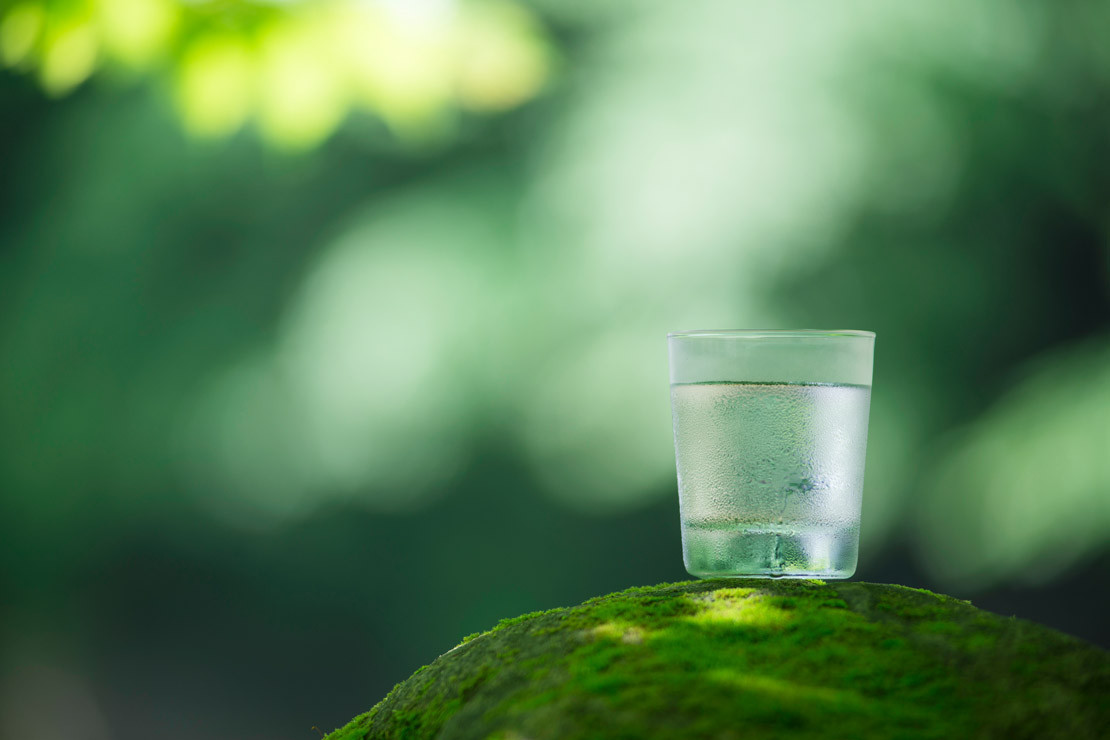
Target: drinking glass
x=770, y=434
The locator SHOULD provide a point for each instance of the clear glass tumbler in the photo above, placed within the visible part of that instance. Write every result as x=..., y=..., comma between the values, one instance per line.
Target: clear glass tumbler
x=770, y=434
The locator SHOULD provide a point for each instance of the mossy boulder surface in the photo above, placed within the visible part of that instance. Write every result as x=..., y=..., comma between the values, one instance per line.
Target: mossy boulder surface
x=755, y=659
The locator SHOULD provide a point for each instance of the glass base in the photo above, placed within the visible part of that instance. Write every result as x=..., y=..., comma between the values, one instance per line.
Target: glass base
x=731, y=550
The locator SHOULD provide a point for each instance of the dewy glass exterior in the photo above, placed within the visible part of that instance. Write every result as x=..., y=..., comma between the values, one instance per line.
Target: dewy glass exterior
x=770, y=432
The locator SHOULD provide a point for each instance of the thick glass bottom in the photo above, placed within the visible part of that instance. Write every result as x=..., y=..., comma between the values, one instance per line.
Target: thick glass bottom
x=734, y=550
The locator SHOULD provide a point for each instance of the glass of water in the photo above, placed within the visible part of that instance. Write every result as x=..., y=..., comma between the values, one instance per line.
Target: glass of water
x=770, y=433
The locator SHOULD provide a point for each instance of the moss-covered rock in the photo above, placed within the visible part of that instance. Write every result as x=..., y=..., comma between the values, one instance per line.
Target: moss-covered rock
x=755, y=659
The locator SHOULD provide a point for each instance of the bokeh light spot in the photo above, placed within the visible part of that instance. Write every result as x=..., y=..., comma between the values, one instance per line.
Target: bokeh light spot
x=19, y=32
x=69, y=56
x=137, y=31
x=503, y=59
x=301, y=92
x=215, y=88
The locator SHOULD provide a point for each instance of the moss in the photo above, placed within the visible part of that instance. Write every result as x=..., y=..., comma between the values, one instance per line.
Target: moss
x=754, y=659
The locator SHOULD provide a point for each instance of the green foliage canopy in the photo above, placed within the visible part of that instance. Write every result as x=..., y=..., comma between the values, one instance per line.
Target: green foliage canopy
x=295, y=68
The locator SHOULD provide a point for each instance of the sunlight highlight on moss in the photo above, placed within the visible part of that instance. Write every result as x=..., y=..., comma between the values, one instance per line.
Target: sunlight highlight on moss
x=626, y=632
x=739, y=606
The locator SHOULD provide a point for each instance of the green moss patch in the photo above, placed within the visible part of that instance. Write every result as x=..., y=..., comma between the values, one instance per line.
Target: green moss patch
x=754, y=659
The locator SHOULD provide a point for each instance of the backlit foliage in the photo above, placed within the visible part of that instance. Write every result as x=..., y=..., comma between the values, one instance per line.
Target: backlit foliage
x=296, y=69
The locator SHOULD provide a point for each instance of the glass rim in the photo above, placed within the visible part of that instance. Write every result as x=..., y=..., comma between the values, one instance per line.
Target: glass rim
x=769, y=333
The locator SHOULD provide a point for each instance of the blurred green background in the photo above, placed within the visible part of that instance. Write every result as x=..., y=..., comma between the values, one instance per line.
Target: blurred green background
x=332, y=331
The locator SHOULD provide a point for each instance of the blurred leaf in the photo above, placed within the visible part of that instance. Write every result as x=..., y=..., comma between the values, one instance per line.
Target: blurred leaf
x=214, y=84
x=69, y=50
x=370, y=388
x=1024, y=491
x=297, y=68
x=19, y=31
x=137, y=31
